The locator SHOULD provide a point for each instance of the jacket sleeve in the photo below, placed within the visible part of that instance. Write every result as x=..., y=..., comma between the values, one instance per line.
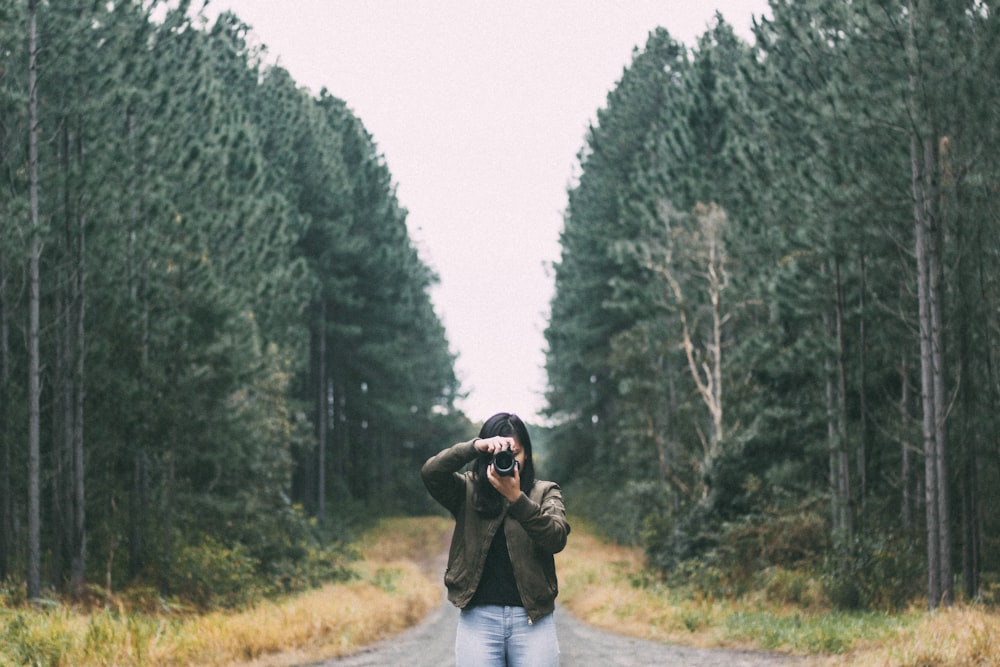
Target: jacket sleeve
x=441, y=477
x=544, y=521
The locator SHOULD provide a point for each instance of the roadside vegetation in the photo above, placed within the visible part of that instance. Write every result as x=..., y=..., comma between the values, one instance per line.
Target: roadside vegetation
x=397, y=582
x=386, y=589
x=610, y=586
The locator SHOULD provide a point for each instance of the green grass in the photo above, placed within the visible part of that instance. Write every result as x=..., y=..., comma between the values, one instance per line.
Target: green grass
x=827, y=633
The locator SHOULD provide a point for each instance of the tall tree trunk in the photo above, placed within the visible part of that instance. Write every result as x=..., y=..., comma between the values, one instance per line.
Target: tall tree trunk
x=935, y=298
x=70, y=362
x=905, y=472
x=79, y=564
x=137, y=272
x=862, y=447
x=839, y=462
x=929, y=294
x=338, y=438
x=60, y=515
x=167, y=553
x=931, y=484
x=843, y=449
x=34, y=588
x=323, y=407
x=61, y=512
x=666, y=443
x=704, y=362
x=76, y=334
x=6, y=532
x=971, y=530
x=927, y=241
x=712, y=221
x=973, y=392
x=836, y=503
x=136, y=515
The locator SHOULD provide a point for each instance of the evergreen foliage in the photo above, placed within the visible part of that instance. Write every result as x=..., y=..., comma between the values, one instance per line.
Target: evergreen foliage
x=773, y=340
x=205, y=228
x=701, y=399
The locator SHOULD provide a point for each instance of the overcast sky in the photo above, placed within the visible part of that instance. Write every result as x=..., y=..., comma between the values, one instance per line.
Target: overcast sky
x=480, y=110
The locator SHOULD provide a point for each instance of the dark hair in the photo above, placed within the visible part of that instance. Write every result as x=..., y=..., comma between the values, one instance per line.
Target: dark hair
x=486, y=500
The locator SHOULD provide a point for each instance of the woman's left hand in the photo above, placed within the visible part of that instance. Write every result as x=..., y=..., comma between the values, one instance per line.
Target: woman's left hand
x=508, y=486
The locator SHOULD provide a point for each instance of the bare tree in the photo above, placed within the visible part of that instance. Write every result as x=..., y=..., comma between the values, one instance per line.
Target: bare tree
x=704, y=250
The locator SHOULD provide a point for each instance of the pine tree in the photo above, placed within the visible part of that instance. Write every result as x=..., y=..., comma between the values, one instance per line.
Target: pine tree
x=13, y=207
x=34, y=324
x=581, y=390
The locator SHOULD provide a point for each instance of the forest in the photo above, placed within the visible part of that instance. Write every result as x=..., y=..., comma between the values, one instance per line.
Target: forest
x=771, y=348
x=773, y=343
x=216, y=336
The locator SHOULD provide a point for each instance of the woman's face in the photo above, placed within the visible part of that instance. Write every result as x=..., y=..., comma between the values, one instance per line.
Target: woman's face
x=518, y=452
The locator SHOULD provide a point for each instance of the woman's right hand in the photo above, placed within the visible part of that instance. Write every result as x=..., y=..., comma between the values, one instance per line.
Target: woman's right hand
x=495, y=444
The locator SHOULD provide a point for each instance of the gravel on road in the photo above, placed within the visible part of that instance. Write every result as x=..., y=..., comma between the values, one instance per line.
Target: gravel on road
x=431, y=643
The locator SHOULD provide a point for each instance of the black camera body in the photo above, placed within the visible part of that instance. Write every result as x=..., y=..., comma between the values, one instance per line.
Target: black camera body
x=504, y=463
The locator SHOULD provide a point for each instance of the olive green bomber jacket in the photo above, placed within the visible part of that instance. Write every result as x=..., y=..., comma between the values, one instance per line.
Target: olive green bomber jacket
x=539, y=531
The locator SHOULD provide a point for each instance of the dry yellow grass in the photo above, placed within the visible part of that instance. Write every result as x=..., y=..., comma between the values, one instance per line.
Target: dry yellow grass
x=333, y=621
x=390, y=593
x=598, y=585
x=394, y=592
x=957, y=637
x=602, y=583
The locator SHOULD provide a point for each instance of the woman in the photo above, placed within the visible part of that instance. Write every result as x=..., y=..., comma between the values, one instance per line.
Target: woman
x=501, y=572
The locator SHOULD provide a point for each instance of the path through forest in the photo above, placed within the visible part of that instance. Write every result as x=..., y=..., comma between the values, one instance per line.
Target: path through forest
x=431, y=643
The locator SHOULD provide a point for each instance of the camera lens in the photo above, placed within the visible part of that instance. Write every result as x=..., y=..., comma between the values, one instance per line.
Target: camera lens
x=504, y=463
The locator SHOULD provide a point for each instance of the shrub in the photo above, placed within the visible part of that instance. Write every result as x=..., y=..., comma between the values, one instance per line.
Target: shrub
x=209, y=573
x=783, y=586
x=873, y=572
x=312, y=568
x=767, y=552
x=626, y=513
x=26, y=642
x=701, y=577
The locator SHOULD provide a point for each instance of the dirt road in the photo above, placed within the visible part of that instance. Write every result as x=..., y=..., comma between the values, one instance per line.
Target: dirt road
x=432, y=644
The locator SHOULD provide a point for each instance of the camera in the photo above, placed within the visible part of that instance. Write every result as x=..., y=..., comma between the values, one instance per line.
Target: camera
x=504, y=463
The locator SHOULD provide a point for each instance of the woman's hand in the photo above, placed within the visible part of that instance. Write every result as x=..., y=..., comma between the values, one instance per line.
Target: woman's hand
x=508, y=486
x=495, y=444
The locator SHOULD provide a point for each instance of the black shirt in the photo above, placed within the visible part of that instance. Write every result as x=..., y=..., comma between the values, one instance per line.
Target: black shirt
x=497, y=585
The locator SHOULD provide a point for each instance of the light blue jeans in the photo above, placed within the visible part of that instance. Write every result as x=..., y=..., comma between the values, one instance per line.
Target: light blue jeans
x=493, y=636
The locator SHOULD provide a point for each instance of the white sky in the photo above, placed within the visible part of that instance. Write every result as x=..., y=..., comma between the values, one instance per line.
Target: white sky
x=480, y=109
